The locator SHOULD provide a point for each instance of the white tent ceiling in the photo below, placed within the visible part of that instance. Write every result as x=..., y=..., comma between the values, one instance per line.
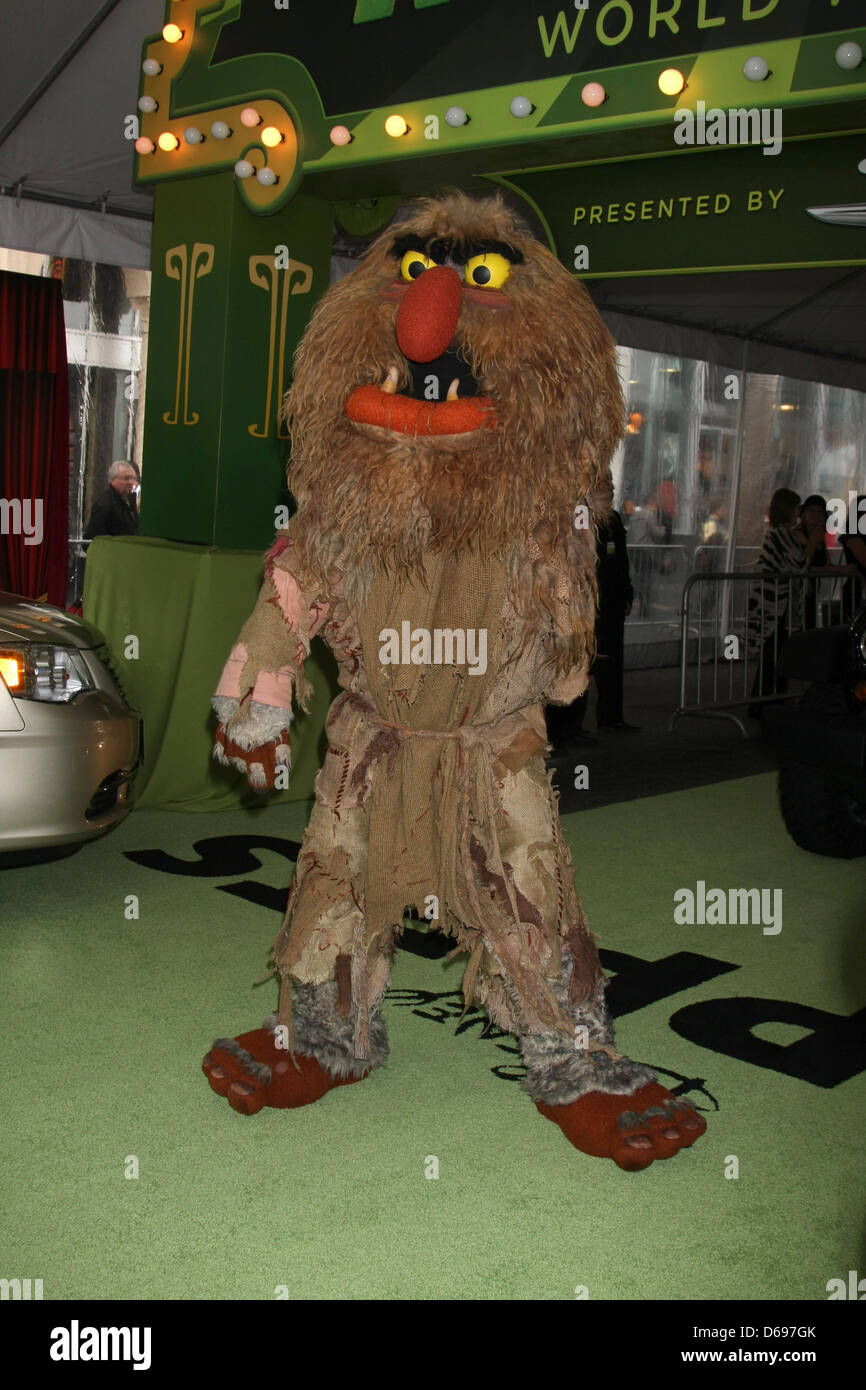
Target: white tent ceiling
x=801, y=323
x=69, y=75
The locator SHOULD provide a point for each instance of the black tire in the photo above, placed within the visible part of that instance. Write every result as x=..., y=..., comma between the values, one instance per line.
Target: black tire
x=821, y=816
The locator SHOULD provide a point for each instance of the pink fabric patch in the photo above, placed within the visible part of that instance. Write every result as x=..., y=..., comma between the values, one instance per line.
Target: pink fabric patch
x=279, y=545
x=290, y=596
x=292, y=602
x=275, y=690
x=230, y=680
x=271, y=689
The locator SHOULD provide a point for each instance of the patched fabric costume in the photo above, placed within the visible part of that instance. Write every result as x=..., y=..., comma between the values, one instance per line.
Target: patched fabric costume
x=444, y=549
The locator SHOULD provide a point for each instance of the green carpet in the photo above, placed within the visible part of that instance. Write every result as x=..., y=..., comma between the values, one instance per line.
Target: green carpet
x=105, y=1021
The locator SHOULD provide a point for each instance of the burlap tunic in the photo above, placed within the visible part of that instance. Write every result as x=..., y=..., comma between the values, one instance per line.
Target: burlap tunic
x=433, y=794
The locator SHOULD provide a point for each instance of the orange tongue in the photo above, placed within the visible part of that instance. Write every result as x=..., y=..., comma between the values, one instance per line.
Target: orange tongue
x=369, y=405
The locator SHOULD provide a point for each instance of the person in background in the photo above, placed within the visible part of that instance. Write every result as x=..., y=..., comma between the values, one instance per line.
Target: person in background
x=715, y=530
x=854, y=542
x=668, y=504
x=854, y=550
x=813, y=518
x=769, y=621
x=813, y=521
x=615, y=598
x=115, y=512
x=644, y=531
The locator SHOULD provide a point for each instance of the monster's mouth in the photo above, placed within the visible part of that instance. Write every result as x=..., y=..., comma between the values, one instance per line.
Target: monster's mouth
x=442, y=399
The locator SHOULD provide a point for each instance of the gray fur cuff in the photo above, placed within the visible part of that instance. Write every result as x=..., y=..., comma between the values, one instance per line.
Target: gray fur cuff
x=560, y=1070
x=322, y=1032
x=561, y=1078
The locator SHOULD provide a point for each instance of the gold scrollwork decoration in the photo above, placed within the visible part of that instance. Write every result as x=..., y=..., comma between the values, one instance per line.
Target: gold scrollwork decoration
x=296, y=278
x=178, y=266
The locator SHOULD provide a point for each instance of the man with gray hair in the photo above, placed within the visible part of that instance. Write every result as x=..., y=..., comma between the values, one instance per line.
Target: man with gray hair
x=115, y=513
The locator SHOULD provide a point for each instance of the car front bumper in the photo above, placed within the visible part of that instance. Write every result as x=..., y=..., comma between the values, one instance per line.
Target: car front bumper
x=67, y=771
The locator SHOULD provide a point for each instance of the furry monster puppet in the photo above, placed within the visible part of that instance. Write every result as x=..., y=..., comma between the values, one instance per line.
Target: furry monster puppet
x=454, y=408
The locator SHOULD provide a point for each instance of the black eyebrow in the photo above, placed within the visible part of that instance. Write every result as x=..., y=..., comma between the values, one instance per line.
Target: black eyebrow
x=498, y=248
x=441, y=250
x=410, y=242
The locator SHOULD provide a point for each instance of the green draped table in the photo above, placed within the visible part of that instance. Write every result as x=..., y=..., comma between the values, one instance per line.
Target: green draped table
x=185, y=605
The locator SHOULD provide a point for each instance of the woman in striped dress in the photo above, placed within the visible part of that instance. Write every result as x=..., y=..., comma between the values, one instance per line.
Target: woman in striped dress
x=785, y=548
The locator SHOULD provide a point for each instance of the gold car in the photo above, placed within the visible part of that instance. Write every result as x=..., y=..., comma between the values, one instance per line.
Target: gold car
x=69, y=743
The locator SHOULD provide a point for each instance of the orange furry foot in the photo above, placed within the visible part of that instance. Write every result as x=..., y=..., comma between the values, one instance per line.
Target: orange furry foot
x=633, y=1130
x=251, y=1072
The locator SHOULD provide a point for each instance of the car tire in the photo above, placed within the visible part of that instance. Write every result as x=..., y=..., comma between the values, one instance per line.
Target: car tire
x=821, y=816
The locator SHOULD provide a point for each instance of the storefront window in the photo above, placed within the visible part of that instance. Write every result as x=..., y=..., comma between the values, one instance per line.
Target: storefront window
x=106, y=313
x=705, y=448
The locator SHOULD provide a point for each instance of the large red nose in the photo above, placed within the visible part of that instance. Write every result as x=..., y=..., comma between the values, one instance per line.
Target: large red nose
x=428, y=314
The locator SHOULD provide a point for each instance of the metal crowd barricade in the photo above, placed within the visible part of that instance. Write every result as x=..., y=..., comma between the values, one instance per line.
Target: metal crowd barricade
x=733, y=626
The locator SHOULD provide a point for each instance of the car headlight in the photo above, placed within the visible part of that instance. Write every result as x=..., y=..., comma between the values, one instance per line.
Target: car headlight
x=52, y=674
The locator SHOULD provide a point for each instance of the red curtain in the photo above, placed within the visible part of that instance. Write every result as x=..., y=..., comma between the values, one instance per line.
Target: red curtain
x=34, y=439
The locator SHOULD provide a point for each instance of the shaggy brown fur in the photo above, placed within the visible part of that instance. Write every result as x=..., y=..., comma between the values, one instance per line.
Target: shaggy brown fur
x=547, y=362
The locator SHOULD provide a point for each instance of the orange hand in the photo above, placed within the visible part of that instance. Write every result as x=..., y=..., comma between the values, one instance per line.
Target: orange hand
x=244, y=758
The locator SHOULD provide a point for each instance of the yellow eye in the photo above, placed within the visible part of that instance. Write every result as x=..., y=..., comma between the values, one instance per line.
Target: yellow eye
x=487, y=272
x=413, y=264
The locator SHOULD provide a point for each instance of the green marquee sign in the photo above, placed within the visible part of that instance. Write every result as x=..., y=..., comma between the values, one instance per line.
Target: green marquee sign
x=267, y=115
x=729, y=209
x=350, y=64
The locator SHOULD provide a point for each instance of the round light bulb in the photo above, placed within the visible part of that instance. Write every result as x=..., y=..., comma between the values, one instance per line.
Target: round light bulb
x=243, y=169
x=671, y=82
x=395, y=125
x=192, y=135
x=456, y=116
x=172, y=33
x=849, y=55
x=250, y=116
x=148, y=104
x=862, y=166
x=143, y=145
x=151, y=68
x=270, y=136
x=266, y=177
x=340, y=135
x=520, y=106
x=593, y=94
x=167, y=141
x=756, y=69
x=220, y=131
